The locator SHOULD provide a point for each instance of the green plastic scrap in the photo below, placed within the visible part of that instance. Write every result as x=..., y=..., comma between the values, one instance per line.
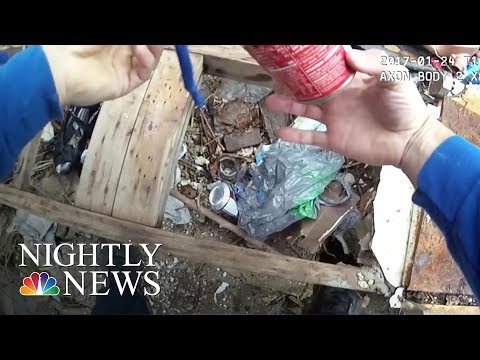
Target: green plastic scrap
x=306, y=206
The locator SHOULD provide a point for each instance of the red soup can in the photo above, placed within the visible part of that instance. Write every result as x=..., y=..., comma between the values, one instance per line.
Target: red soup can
x=313, y=73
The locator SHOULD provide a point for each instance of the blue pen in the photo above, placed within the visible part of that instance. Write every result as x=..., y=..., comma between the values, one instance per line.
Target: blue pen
x=187, y=75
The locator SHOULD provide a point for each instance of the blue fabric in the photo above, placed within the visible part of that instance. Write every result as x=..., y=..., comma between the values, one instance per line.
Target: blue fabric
x=3, y=57
x=28, y=100
x=449, y=190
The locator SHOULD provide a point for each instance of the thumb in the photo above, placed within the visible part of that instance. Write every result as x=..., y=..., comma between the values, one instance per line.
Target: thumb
x=379, y=64
x=366, y=61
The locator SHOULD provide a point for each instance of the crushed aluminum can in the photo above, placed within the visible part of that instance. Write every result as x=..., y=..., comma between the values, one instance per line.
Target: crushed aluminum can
x=221, y=199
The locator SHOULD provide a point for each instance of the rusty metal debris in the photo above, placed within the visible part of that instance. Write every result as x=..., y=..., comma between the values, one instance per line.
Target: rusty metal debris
x=433, y=268
x=228, y=166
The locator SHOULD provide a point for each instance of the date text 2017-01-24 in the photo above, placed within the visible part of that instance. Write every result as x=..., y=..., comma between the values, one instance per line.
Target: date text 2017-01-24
x=421, y=60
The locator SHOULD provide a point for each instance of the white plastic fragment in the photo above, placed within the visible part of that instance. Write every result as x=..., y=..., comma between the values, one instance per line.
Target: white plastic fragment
x=201, y=160
x=48, y=132
x=363, y=284
x=396, y=300
x=223, y=286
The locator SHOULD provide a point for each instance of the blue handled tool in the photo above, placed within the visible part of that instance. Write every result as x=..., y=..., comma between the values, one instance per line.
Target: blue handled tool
x=187, y=75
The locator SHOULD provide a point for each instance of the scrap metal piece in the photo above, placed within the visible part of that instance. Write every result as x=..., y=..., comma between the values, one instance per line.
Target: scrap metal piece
x=433, y=269
x=228, y=167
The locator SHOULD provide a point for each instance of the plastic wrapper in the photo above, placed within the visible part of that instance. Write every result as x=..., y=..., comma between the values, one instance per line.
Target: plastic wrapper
x=176, y=211
x=284, y=186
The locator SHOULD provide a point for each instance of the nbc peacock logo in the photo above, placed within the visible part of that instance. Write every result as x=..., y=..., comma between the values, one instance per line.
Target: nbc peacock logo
x=42, y=284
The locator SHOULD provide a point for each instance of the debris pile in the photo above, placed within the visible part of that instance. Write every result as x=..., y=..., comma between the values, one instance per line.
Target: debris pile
x=278, y=196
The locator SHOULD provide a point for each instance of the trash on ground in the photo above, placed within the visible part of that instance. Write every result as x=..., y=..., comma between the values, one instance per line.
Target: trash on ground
x=233, y=115
x=74, y=137
x=182, y=151
x=33, y=227
x=396, y=299
x=233, y=90
x=176, y=211
x=315, y=232
x=364, y=231
x=239, y=140
x=284, y=187
x=221, y=199
x=349, y=178
x=201, y=161
x=246, y=152
x=366, y=301
x=35, y=230
x=229, y=167
x=83, y=157
x=189, y=191
x=48, y=132
x=221, y=288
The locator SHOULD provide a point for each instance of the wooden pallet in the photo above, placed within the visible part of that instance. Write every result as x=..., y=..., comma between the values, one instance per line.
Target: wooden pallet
x=129, y=172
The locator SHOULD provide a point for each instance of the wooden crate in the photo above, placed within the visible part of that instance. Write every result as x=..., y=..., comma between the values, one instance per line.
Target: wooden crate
x=129, y=171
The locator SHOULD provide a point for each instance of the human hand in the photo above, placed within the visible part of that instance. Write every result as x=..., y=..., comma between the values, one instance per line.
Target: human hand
x=89, y=74
x=371, y=120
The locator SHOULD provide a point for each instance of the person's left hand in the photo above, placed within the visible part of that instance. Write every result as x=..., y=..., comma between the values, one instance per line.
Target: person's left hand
x=90, y=74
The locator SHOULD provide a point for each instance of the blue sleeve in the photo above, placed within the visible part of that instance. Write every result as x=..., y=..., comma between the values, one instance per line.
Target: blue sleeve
x=28, y=100
x=449, y=190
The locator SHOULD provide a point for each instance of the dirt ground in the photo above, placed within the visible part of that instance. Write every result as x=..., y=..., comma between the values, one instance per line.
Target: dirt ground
x=186, y=287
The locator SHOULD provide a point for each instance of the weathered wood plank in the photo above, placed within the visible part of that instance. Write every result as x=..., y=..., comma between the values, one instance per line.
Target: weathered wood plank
x=106, y=152
x=149, y=164
x=204, y=251
x=233, y=62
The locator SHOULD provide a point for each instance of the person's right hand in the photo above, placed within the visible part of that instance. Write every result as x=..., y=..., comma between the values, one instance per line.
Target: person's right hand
x=370, y=121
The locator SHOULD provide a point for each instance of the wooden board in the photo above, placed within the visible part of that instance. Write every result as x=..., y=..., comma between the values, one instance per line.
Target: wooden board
x=150, y=161
x=203, y=251
x=432, y=309
x=106, y=152
x=233, y=62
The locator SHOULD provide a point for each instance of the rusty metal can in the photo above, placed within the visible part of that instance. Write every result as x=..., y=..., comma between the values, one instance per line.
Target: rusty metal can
x=313, y=73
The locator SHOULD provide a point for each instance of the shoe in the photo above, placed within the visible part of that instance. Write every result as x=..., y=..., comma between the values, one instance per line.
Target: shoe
x=114, y=303
x=335, y=301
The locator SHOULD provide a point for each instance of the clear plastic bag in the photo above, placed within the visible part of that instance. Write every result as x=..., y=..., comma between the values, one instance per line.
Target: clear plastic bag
x=284, y=186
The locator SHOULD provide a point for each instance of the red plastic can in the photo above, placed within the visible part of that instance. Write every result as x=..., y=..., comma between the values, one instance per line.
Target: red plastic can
x=313, y=73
